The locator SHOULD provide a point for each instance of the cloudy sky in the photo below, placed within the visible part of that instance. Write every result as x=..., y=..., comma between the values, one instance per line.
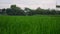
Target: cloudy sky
x=29, y=3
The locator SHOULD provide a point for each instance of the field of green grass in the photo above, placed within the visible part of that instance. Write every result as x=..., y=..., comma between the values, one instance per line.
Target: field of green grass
x=30, y=24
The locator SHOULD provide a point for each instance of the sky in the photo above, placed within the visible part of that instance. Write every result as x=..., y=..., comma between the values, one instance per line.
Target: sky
x=58, y=2
x=45, y=4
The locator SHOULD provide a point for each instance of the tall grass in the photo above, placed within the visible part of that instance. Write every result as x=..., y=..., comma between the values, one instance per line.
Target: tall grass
x=29, y=24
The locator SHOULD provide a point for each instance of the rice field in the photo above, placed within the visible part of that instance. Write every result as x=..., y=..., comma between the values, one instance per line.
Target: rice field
x=30, y=24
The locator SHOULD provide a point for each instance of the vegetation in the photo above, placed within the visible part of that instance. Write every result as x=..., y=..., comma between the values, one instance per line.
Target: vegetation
x=14, y=10
x=15, y=20
x=30, y=24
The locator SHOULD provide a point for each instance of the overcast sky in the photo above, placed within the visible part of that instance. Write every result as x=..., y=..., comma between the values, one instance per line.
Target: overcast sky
x=29, y=3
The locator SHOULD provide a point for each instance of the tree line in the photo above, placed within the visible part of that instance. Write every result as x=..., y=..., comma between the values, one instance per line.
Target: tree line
x=14, y=10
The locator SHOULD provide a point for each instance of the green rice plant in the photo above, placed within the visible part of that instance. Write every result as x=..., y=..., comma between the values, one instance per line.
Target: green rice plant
x=30, y=24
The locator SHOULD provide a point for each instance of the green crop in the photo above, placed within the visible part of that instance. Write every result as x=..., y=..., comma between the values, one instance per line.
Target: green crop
x=29, y=24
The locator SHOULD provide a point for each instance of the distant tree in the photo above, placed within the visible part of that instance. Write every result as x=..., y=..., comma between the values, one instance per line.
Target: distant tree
x=53, y=12
x=3, y=11
x=13, y=6
x=0, y=11
x=47, y=12
x=39, y=10
x=9, y=11
x=14, y=10
x=28, y=11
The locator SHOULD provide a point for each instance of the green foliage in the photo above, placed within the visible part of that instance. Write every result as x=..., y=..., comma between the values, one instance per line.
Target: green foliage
x=14, y=10
x=13, y=6
x=42, y=24
x=3, y=11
